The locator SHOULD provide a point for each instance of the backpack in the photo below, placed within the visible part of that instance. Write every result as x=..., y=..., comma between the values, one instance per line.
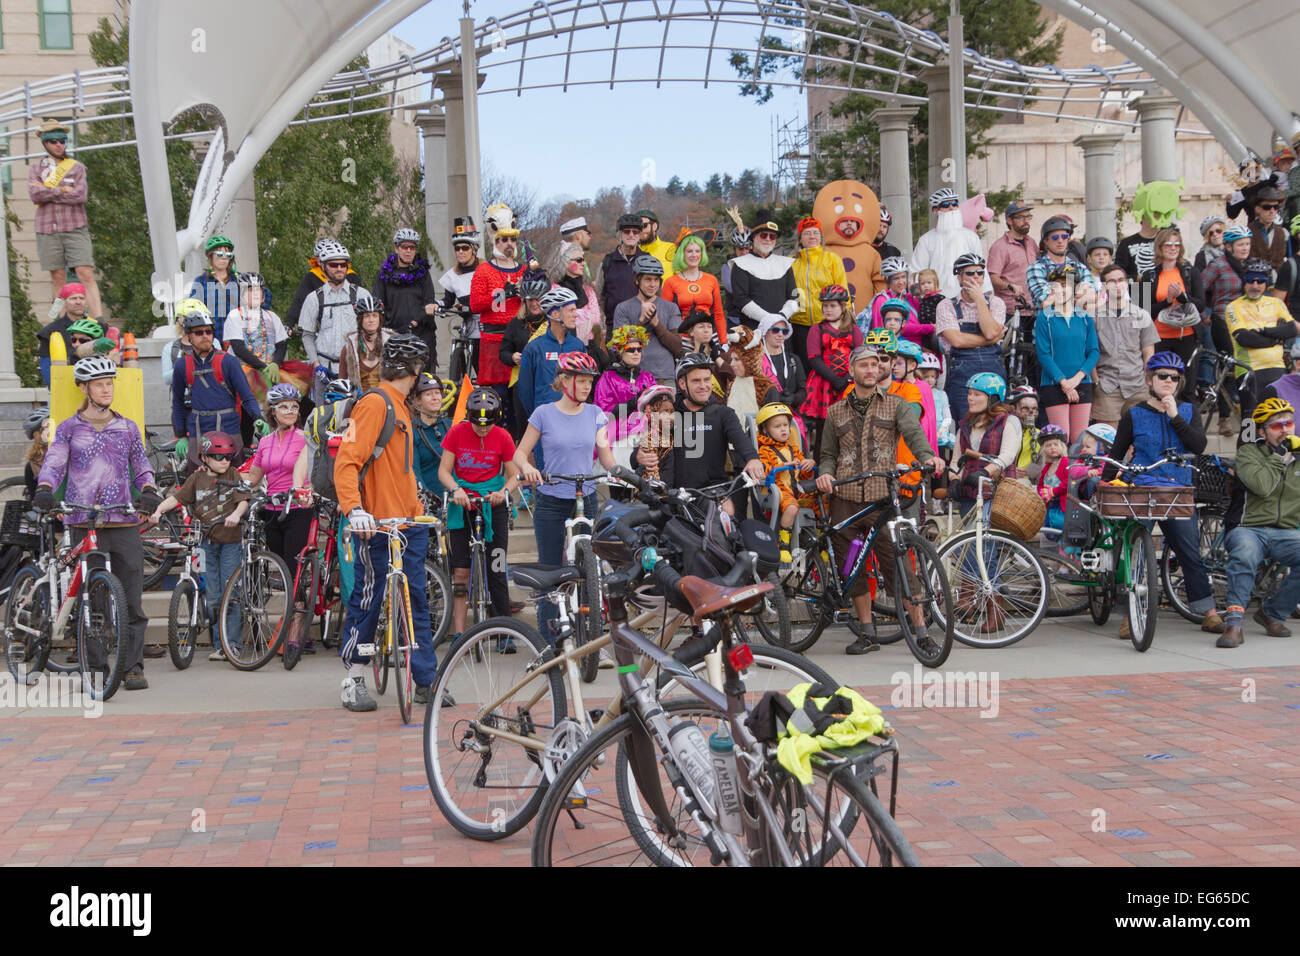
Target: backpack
x=322, y=465
x=217, y=372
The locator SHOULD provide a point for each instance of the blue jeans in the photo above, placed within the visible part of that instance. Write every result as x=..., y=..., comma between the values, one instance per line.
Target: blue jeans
x=367, y=600
x=220, y=562
x=549, y=515
x=1247, y=547
x=1183, y=535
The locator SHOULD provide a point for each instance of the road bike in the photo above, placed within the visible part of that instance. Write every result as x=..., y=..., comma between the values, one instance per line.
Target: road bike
x=820, y=582
x=641, y=789
x=78, y=580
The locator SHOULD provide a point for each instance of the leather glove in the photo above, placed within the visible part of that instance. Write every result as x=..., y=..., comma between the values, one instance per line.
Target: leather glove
x=261, y=428
x=361, y=520
x=102, y=345
x=149, y=500
x=270, y=374
x=182, y=447
x=43, y=500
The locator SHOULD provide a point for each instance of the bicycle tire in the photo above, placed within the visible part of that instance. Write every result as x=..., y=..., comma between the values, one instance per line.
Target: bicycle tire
x=1101, y=597
x=479, y=609
x=183, y=624
x=260, y=593
x=1067, y=595
x=29, y=606
x=934, y=598
x=306, y=584
x=331, y=619
x=381, y=659
x=472, y=671
x=614, y=802
x=1020, y=591
x=805, y=592
x=403, y=647
x=101, y=634
x=772, y=617
x=1214, y=557
x=1143, y=604
x=158, y=562
x=437, y=591
x=592, y=624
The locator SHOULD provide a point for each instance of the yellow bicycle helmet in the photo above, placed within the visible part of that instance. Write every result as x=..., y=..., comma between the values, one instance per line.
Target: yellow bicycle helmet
x=772, y=410
x=1270, y=407
x=449, y=394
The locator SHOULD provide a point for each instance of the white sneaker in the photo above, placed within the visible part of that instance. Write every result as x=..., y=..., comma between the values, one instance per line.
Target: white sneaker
x=355, y=696
x=605, y=661
x=218, y=655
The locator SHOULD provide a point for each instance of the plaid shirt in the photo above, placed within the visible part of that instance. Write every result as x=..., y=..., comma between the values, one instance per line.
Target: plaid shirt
x=1222, y=284
x=1036, y=278
x=57, y=211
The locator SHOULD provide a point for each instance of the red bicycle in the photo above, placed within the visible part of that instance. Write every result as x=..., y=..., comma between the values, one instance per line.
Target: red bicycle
x=316, y=584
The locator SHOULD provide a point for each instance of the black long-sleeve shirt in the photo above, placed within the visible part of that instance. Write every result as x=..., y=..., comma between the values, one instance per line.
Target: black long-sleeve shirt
x=1190, y=433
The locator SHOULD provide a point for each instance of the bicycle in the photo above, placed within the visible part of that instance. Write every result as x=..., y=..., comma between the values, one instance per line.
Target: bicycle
x=187, y=613
x=459, y=364
x=1017, y=348
x=747, y=810
x=490, y=759
x=817, y=583
x=259, y=592
x=79, y=581
x=578, y=554
x=1223, y=389
x=397, y=625
x=1001, y=586
x=315, y=584
x=162, y=542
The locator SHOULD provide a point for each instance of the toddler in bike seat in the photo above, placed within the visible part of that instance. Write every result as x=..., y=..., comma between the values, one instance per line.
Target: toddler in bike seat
x=1095, y=441
x=778, y=446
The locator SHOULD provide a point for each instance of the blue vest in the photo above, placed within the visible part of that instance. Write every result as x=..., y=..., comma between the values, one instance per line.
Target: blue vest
x=1152, y=437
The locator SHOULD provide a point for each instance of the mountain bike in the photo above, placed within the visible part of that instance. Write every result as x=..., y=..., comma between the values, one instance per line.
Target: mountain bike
x=259, y=594
x=578, y=554
x=462, y=347
x=78, y=580
x=822, y=586
x=642, y=788
x=187, y=613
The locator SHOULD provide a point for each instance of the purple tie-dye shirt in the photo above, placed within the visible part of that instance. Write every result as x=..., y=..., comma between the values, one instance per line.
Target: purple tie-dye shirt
x=103, y=467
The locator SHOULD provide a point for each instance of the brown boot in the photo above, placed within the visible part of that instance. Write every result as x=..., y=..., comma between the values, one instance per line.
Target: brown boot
x=995, y=619
x=1271, y=627
x=1231, y=637
x=1125, y=634
x=1212, y=623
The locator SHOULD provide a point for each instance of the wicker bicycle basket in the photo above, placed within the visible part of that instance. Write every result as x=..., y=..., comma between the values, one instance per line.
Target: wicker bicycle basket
x=1146, y=502
x=1017, y=509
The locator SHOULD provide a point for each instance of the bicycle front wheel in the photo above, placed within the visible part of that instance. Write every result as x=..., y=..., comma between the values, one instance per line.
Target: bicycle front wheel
x=592, y=623
x=183, y=619
x=486, y=784
x=1143, y=586
x=161, y=545
x=1001, y=590
x=101, y=634
x=28, y=625
x=399, y=612
x=438, y=593
x=924, y=600
x=258, y=595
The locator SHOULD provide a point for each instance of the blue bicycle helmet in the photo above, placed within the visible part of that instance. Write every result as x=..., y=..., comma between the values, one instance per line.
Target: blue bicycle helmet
x=909, y=350
x=1170, y=360
x=990, y=383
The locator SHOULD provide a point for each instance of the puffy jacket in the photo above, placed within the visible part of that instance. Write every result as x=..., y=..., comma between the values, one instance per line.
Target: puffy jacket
x=814, y=269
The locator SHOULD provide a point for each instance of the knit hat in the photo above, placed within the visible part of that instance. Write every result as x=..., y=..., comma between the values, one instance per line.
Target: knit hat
x=808, y=222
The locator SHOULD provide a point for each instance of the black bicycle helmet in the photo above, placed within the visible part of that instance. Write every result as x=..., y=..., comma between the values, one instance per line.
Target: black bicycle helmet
x=404, y=351
x=483, y=407
x=693, y=360
x=534, y=285
x=35, y=419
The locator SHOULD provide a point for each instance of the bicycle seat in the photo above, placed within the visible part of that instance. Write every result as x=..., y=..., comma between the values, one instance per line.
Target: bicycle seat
x=709, y=599
x=166, y=445
x=543, y=577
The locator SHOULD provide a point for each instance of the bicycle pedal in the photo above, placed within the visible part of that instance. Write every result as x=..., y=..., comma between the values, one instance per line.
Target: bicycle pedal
x=1094, y=560
x=368, y=650
x=845, y=616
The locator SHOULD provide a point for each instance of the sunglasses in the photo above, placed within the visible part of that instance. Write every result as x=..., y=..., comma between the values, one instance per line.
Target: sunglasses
x=57, y=139
x=337, y=264
x=410, y=246
x=1268, y=205
x=1281, y=425
x=579, y=259
x=632, y=348
x=507, y=239
x=203, y=332
x=213, y=457
x=1256, y=280
x=946, y=205
x=223, y=255
x=631, y=229
x=782, y=331
x=972, y=272
x=1168, y=376
x=1059, y=235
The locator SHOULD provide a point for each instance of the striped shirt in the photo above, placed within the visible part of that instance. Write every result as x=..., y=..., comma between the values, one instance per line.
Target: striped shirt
x=221, y=298
x=57, y=211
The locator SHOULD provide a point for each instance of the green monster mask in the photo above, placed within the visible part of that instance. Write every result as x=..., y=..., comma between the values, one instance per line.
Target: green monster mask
x=1157, y=202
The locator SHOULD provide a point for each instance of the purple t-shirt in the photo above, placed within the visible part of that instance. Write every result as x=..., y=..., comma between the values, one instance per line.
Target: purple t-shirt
x=568, y=443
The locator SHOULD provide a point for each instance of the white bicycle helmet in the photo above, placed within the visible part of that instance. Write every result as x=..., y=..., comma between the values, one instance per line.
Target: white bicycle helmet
x=942, y=195
x=930, y=360
x=328, y=250
x=893, y=266
x=406, y=234
x=557, y=298
x=93, y=367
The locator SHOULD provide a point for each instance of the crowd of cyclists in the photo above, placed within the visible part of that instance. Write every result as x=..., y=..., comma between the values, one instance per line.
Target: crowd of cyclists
x=1045, y=356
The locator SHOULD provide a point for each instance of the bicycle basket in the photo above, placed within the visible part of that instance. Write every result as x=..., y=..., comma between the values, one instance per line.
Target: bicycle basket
x=1146, y=502
x=1213, y=480
x=1017, y=509
x=16, y=529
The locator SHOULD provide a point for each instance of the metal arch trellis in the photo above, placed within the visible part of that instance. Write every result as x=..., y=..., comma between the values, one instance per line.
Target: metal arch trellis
x=574, y=32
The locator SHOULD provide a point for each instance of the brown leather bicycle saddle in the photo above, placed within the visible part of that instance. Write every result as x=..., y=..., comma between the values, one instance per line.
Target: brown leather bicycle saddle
x=709, y=599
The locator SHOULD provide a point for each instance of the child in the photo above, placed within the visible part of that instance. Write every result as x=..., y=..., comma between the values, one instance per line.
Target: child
x=35, y=430
x=928, y=372
x=218, y=504
x=907, y=359
x=1054, y=480
x=894, y=271
x=777, y=447
x=1096, y=440
x=929, y=297
x=830, y=342
x=1025, y=401
x=899, y=316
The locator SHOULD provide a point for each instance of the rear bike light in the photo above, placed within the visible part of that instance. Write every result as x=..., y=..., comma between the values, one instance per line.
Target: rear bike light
x=741, y=657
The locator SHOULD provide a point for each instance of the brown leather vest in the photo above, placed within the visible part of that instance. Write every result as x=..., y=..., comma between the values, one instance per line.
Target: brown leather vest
x=866, y=444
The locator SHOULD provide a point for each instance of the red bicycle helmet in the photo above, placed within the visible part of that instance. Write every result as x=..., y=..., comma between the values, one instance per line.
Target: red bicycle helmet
x=218, y=443
x=576, y=363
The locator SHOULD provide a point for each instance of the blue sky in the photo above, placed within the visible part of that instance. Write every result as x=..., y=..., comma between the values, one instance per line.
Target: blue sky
x=573, y=143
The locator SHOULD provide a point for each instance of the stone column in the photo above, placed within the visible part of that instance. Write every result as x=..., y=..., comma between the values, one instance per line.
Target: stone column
x=1156, y=115
x=241, y=226
x=1099, y=152
x=453, y=112
x=437, y=220
x=938, y=83
x=8, y=377
x=895, y=124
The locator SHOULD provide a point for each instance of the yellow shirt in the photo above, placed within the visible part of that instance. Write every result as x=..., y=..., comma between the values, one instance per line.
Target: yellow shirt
x=1262, y=313
x=814, y=269
x=663, y=251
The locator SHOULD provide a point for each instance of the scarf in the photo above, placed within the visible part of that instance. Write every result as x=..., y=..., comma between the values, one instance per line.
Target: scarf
x=578, y=286
x=1237, y=265
x=860, y=406
x=415, y=272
